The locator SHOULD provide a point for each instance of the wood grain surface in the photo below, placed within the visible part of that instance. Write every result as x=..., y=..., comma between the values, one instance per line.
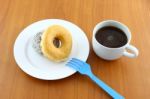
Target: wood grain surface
x=130, y=77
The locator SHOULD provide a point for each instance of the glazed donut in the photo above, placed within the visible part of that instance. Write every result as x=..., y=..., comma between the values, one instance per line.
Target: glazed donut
x=54, y=51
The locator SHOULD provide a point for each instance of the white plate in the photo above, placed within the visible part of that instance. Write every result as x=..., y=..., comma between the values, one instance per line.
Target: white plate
x=39, y=66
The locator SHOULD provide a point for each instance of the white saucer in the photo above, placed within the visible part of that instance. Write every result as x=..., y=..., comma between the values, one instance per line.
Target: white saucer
x=39, y=66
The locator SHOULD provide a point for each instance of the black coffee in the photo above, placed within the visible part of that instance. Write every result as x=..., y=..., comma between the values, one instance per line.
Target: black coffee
x=112, y=37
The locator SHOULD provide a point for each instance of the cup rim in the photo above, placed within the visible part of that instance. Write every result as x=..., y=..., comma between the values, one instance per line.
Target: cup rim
x=104, y=21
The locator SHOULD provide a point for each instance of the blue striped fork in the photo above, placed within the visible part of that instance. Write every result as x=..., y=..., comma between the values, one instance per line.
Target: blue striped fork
x=85, y=69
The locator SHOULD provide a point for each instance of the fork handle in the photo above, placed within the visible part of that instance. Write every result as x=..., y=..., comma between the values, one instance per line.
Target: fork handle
x=105, y=87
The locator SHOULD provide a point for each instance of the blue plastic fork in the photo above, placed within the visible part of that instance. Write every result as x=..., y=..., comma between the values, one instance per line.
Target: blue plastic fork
x=84, y=68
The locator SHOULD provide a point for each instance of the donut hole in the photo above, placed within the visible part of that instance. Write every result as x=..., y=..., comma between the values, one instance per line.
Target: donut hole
x=57, y=42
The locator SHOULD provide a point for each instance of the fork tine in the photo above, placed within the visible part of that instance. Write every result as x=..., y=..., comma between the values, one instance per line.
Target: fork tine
x=72, y=66
x=77, y=60
x=74, y=63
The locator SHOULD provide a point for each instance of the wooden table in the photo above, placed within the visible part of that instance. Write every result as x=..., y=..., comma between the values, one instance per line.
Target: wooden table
x=130, y=77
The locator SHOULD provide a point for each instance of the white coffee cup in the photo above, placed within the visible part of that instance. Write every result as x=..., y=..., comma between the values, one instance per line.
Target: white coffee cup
x=108, y=53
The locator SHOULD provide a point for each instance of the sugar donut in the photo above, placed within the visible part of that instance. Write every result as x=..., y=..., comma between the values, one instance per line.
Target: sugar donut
x=50, y=50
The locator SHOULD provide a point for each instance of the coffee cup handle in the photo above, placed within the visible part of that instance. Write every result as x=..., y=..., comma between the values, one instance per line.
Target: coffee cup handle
x=134, y=51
